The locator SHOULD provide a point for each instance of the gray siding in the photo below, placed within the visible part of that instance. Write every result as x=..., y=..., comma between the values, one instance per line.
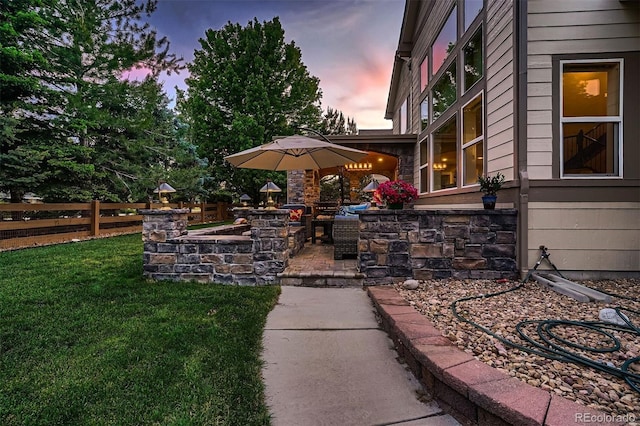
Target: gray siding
x=567, y=27
x=500, y=87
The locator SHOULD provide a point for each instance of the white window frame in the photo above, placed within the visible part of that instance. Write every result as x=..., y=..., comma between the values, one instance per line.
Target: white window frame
x=427, y=141
x=473, y=141
x=596, y=119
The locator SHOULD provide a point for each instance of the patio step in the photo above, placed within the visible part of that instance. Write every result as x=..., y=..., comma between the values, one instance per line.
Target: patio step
x=321, y=279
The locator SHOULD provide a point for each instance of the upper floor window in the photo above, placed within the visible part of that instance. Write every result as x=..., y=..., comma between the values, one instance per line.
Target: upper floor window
x=444, y=91
x=424, y=113
x=471, y=9
x=591, y=118
x=424, y=73
x=403, y=117
x=445, y=42
x=473, y=140
x=473, y=58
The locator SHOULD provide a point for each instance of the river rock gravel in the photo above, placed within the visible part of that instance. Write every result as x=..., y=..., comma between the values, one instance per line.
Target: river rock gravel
x=501, y=313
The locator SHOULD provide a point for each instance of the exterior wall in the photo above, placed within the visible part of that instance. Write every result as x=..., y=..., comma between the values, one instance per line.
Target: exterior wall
x=398, y=244
x=500, y=124
x=590, y=225
x=586, y=236
x=171, y=253
x=567, y=27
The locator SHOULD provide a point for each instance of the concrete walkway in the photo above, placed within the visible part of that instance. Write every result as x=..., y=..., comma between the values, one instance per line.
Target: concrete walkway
x=327, y=362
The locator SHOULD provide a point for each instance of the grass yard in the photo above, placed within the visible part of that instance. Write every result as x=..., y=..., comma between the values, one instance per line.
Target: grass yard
x=84, y=339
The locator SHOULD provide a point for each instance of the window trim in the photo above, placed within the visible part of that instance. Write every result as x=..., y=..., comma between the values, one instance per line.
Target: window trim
x=597, y=119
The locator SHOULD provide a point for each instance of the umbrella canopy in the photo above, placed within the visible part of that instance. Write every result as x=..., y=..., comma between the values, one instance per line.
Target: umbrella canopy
x=295, y=153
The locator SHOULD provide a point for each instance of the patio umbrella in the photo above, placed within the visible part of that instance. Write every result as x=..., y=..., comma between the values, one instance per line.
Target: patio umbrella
x=295, y=153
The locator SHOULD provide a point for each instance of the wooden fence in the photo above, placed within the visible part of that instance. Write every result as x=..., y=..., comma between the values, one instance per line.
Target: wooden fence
x=25, y=225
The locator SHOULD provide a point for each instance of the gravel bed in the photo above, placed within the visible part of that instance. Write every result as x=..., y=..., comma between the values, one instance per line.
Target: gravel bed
x=501, y=313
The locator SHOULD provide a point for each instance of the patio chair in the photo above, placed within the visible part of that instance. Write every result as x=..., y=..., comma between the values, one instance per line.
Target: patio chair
x=346, y=231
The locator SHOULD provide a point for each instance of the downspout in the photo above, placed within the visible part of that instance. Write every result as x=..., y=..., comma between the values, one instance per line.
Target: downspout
x=521, y=135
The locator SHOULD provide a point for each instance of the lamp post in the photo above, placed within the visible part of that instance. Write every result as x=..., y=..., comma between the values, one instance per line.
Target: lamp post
x=269, y=188
x=163, y=189
x=244, y=199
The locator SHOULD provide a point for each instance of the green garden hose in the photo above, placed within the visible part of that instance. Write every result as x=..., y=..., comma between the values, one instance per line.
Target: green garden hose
x=556, y=348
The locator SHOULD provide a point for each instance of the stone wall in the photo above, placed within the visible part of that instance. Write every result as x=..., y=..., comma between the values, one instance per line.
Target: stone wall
x=423, y=244
x=170, y=253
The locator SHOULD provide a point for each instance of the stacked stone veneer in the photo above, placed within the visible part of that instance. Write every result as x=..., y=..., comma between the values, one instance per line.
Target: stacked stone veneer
x=426, y=244
x=172, y=253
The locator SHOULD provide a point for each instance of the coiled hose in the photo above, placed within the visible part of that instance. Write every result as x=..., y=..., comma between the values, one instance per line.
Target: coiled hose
x=560, y=349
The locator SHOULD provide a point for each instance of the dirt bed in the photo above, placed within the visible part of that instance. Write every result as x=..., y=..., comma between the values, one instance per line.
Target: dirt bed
x=500, y=314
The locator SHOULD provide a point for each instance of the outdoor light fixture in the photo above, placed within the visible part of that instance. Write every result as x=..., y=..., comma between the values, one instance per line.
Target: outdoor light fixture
x=372, y=187
x=162, y=190
x=244, y=198
x=269, y=188
x=358, y=167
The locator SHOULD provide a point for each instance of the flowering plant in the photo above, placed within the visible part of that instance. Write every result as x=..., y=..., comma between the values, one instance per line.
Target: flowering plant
x=397, y=191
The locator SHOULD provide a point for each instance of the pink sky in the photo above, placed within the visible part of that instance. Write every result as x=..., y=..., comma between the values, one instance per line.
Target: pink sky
x=348, y=44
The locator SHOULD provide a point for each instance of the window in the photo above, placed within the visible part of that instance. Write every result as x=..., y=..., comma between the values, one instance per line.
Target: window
x=424, y=165
x=444, y=91
x=445, y=42
x=473, y=140
x=591, y=118
x=473, y=60
x=471, y=9
x=424, y=113
x=403, y=117
x=424, y=74
x=444, y=162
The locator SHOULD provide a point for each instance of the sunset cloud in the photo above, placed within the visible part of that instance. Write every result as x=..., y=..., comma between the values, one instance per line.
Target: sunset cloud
x=348, y=44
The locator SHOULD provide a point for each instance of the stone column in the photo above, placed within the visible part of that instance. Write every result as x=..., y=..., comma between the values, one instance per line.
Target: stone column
x=158, y=227
x=269, y=232
x=295, y=186
x=311, y=187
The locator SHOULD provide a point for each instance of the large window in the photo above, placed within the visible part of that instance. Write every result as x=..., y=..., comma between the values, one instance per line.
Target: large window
x=452, y=109
x=424, y=113
x=591, y=118
x=444, y=91
x=445, y=154
x=473, y=140
x=424, y=73
x=424, y=165
x=402, y=114
x=471, y=10
x=445, y=42
x=473, y=57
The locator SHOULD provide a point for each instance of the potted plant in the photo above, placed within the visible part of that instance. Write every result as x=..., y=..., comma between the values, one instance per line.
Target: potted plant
x=490, y=185
x=397, y=192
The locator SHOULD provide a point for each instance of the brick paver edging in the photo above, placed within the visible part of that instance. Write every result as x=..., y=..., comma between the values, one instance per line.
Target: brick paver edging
x=470, y=389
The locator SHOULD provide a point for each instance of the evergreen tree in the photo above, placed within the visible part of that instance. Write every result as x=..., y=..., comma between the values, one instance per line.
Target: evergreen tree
x=333, y=123
x=247, y=86
x=22, y=125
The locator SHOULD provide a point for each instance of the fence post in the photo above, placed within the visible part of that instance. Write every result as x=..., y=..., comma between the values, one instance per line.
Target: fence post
x=94, y=214
x=203, y=206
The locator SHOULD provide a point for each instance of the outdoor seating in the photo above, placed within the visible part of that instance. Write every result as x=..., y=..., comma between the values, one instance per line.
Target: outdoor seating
x=346, y=231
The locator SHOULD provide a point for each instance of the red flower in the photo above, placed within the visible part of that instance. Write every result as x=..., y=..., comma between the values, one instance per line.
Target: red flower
x=397, y=191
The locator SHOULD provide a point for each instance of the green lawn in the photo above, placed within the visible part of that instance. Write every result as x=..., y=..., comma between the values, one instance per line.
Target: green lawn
x=84, y=339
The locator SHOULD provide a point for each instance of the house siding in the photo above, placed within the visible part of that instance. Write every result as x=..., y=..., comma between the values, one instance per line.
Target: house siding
x=500, y=88
x=567, y=27
x=585, y=236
